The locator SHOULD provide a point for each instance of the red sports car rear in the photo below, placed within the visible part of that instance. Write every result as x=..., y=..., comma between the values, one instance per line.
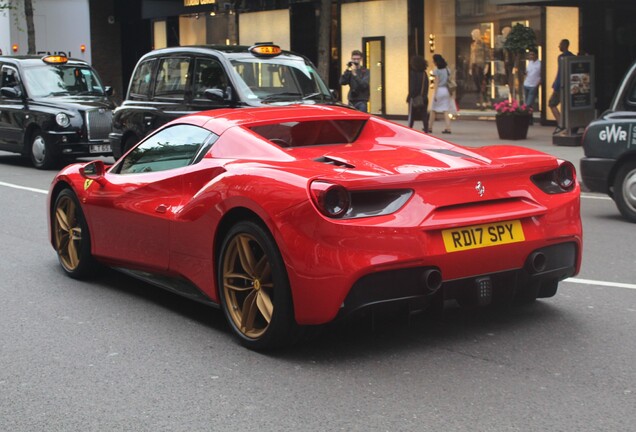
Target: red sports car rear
x=298, y=215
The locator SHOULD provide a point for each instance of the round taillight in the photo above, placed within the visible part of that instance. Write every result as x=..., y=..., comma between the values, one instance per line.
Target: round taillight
x=566, y=176
x=331, y=199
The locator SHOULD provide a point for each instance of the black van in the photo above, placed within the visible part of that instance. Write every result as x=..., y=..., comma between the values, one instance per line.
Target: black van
x=171, y=82
x=609, y=165
x=52, y=108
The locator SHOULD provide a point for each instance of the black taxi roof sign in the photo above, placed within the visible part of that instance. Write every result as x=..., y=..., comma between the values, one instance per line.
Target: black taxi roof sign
x=55, y=59
x=265, y=50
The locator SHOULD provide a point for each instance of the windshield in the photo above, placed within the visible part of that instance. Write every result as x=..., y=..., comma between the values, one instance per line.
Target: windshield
x=62, y=80
x=279, y=80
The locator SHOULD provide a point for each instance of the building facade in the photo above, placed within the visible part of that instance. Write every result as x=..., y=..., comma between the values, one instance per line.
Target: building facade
x=470, y=34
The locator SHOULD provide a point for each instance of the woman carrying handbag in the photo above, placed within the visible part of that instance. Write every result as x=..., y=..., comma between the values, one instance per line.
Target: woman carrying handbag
x=418, y=92
x=443, y=102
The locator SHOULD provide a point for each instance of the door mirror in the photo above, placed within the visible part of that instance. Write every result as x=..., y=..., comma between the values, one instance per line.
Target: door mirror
x=108, y=91
x=11, y=92
x=94, y=171
x=215, y=95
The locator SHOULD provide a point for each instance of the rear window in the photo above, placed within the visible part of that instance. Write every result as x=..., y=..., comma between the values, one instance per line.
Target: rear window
x=310, y=133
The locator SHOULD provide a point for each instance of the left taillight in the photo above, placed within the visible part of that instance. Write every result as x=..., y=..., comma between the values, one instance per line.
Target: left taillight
x=559, y=180
x=331, y=199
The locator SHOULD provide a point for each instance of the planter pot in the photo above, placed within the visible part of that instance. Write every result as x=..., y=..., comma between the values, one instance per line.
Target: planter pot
x=513, y=126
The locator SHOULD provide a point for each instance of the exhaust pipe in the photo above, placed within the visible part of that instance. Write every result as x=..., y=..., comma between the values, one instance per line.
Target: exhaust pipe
x=537, y=262
x=432, y=280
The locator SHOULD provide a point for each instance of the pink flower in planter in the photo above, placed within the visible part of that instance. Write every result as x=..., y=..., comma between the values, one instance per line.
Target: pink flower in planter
x=511, y=107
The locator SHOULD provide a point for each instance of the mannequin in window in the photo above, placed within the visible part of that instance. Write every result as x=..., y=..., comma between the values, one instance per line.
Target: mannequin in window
x=506, y=57
x=478, y=67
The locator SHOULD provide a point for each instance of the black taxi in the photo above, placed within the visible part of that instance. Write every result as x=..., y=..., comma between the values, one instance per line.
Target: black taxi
x=609, y=143
x=53, y=108
x=171, y=82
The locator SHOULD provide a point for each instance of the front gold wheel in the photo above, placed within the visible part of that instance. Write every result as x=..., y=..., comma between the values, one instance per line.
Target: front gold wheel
x=68, y=233
x=71, y=238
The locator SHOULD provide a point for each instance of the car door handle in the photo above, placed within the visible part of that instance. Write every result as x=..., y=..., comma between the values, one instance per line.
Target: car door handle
x=161, y=208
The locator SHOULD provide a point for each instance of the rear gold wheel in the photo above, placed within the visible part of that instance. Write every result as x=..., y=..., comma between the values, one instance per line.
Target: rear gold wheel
x=248, y=285
x=253, y=287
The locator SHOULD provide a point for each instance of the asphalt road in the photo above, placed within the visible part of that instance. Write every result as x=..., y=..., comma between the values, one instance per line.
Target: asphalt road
x=118, y=355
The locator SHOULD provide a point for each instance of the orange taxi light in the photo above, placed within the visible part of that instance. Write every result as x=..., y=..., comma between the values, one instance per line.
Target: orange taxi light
x=56, y=59
x=265, y=50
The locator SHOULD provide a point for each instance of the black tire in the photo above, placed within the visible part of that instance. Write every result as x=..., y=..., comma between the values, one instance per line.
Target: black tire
x=254, y=288
x=42, y=155
x=71, y=238
x=625, y=190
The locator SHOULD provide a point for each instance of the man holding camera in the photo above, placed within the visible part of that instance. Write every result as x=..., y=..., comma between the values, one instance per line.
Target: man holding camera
x=356, y=76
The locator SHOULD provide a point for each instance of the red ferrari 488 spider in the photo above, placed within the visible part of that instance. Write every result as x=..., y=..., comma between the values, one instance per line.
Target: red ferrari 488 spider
x=292, y=216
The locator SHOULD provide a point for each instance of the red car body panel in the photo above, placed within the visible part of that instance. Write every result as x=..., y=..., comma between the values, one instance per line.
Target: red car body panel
x=167, y=222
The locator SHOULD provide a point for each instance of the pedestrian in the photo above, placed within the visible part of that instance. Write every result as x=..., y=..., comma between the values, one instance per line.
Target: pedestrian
x=356, y=76
x=555, y=98
x=532, y=79
x=442, y=98
x=418, y=92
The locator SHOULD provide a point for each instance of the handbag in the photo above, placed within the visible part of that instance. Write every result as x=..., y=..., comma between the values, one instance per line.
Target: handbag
x=451, y=84
x=418, y=101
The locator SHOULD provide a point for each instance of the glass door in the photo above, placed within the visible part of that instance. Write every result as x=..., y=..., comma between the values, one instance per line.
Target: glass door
x=374, y=58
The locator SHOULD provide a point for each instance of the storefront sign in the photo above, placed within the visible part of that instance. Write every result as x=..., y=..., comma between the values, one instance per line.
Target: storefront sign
x=188, y=3
x=580, y=84
x=577, y=91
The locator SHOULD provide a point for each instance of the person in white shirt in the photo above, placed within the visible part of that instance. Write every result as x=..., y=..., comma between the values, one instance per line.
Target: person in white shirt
x=533, y=78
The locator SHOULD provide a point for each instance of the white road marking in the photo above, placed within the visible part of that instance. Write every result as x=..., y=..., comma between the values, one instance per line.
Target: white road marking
x=601, y=283
x=591, y=196
x=15, y=186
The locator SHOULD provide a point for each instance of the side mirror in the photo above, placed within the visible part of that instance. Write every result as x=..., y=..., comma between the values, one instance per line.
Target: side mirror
x=11, y=92
x=94, y=171
x=334, y=94
x=108, y=91
x=215, y=95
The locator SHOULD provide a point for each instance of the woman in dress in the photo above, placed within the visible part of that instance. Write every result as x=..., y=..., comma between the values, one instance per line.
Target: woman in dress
x=418, y=85
x=442, y=99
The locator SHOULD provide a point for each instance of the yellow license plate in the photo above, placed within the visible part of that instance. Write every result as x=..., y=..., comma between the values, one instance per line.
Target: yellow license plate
x=480, y=236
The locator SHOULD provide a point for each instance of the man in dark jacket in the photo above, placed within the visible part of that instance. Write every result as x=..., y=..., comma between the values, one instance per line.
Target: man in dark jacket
x=356, y=76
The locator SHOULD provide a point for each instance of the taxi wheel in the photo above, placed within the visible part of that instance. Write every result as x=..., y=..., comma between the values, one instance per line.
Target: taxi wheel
x=625, y=190
x=254, y=288
x=42, y=156
x=71, y=238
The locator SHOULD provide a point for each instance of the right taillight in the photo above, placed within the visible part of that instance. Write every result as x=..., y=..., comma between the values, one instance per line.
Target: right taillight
x=559, y=180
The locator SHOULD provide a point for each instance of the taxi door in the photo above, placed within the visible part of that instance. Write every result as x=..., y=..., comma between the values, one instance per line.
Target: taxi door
x=171, y=92
x=12, y=109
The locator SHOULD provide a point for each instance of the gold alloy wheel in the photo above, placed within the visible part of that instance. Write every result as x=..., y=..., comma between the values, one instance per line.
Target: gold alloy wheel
x=68, y=233
x=248, y=286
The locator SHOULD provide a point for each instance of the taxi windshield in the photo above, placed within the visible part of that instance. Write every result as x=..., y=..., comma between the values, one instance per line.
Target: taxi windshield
x=271, y=80
x=62, y=80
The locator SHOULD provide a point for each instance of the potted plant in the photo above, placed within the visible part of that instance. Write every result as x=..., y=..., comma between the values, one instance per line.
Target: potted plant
x=518, y=42
x=512, y=119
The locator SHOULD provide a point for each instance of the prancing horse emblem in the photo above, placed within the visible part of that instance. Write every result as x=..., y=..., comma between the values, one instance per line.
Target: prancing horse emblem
x=480, y=188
